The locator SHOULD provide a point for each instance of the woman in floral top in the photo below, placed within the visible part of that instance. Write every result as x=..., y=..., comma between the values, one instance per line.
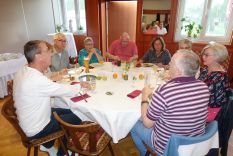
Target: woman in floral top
x=214, y=75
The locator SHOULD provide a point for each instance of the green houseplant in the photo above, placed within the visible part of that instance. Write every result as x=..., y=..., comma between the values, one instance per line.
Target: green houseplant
x=58, y=28
x=191, y=28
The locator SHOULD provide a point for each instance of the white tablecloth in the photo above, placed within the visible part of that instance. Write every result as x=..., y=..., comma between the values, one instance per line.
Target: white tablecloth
x=116, y=113
x=71, y=46
x=7, y=71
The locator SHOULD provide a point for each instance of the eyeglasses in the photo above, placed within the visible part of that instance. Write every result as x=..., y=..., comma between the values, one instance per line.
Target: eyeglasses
x=63, y=41
x=207, y=55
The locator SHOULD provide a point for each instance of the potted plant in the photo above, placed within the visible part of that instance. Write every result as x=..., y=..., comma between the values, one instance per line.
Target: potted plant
x=80, y=29
x=191, y=28
x=58, y=28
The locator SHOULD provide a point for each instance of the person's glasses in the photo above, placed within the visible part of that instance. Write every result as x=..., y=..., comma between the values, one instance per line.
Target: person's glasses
x=63, y=41
x=207, y=55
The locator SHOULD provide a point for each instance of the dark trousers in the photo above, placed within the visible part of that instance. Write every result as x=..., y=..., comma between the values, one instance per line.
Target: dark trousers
x=54, y=126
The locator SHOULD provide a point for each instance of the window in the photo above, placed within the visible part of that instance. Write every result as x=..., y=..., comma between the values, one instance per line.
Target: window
x=213, y=15
x=73, y=15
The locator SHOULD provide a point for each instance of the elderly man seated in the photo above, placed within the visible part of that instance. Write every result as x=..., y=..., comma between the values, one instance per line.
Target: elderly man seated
x=33, y=92
x=178, y=107
x=123, y=49
x=60, y=57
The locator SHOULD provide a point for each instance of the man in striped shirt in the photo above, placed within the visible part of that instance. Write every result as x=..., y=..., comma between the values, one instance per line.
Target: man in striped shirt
x=178, y=107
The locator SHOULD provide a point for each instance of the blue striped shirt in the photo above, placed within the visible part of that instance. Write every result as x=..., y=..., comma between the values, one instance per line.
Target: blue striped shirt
x=179, y=107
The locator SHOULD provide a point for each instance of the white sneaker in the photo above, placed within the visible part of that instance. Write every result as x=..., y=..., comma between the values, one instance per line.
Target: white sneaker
x=52, y=151
x=70, y=152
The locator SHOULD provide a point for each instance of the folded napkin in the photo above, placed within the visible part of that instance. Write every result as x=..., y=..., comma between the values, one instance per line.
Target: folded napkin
x=73, y=83
x=79, y=98
x=134, y=93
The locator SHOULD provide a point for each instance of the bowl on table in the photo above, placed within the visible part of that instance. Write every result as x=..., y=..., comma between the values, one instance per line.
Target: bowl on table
x=91, y=79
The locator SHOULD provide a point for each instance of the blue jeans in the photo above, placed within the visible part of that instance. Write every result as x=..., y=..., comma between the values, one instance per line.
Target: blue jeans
x=54, y=126
x=140, y=133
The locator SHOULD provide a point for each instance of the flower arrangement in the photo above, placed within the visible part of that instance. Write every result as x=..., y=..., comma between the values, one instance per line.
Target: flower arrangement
x=191, y=28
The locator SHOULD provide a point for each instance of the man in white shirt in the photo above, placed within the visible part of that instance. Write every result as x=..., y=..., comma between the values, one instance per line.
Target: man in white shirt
x=32, y=93
x=161, y=30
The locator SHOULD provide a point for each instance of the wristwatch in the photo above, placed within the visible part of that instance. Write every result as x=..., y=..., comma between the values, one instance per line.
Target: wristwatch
x=144, y=101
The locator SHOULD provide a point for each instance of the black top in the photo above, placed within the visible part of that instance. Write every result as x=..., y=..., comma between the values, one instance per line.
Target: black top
x=151, y=57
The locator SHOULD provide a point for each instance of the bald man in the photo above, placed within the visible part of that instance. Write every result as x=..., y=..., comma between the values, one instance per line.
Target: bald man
x=123, y=49
x=60, y=57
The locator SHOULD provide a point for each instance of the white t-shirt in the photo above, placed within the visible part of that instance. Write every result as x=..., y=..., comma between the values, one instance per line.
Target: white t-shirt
x=32, y=92
x=162, y=31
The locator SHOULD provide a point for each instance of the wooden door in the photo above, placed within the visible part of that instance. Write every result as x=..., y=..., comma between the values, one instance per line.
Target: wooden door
x=121, y=18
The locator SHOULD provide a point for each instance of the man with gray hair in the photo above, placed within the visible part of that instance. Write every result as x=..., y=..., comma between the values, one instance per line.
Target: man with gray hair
x=179, y=104
x=32, y=92
x=123, y=49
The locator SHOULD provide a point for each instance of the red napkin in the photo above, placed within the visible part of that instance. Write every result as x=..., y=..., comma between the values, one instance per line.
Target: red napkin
x=73, y=83
x=134, y=94
x=79, y=98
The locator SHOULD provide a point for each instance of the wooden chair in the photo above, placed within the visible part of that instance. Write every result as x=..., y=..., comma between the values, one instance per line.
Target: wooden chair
x=10, y=87
x=8, y=111
x=149, y=151
x=88, y=138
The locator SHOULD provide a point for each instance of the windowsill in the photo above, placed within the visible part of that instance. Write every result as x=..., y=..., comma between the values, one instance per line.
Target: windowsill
x=80, y=33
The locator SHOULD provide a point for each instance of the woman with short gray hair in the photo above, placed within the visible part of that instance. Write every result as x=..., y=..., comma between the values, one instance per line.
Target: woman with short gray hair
x=215, y=76
x=93, y=54
x=185, y=44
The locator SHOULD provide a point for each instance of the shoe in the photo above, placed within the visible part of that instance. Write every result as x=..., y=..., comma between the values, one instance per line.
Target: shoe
x=70, y=152
x=51, y=151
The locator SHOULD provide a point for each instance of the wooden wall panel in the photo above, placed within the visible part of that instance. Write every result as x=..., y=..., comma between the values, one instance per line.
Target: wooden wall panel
x=121, y=18
x=93, y=21
x=103, y=29
x=79, y=42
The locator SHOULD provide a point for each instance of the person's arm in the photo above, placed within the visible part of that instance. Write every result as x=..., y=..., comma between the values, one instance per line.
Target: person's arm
x=151, y=112
x=108, y=55
x=81, y=57
x=52, y=89
x=97, y=53
x=146, y=93
x=145, y=58
x=110, y=52
x=135, y=57
x=167, y=57
x=135, y=53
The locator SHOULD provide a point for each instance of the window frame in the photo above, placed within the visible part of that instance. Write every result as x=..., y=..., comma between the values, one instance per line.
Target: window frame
x=203, y=38
x=77, y=16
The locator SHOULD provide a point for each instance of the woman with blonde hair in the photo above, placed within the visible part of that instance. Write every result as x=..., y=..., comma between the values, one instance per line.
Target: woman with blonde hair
x=93, y=54
x=215, y=76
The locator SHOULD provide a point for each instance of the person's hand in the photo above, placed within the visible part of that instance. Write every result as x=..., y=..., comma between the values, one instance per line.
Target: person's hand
x=117, y=58
x=146, y=92
x=85, y=85
x=64, y=71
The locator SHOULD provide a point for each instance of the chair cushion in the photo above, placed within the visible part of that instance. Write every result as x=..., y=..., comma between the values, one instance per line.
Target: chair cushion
x=101, y=137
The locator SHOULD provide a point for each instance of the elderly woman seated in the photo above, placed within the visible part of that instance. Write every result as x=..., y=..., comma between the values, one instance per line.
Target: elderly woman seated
x=93, y=54
x=157, y=54
x=215, y=76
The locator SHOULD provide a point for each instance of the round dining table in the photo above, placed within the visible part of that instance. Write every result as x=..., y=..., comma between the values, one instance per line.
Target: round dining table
x=108, y=104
